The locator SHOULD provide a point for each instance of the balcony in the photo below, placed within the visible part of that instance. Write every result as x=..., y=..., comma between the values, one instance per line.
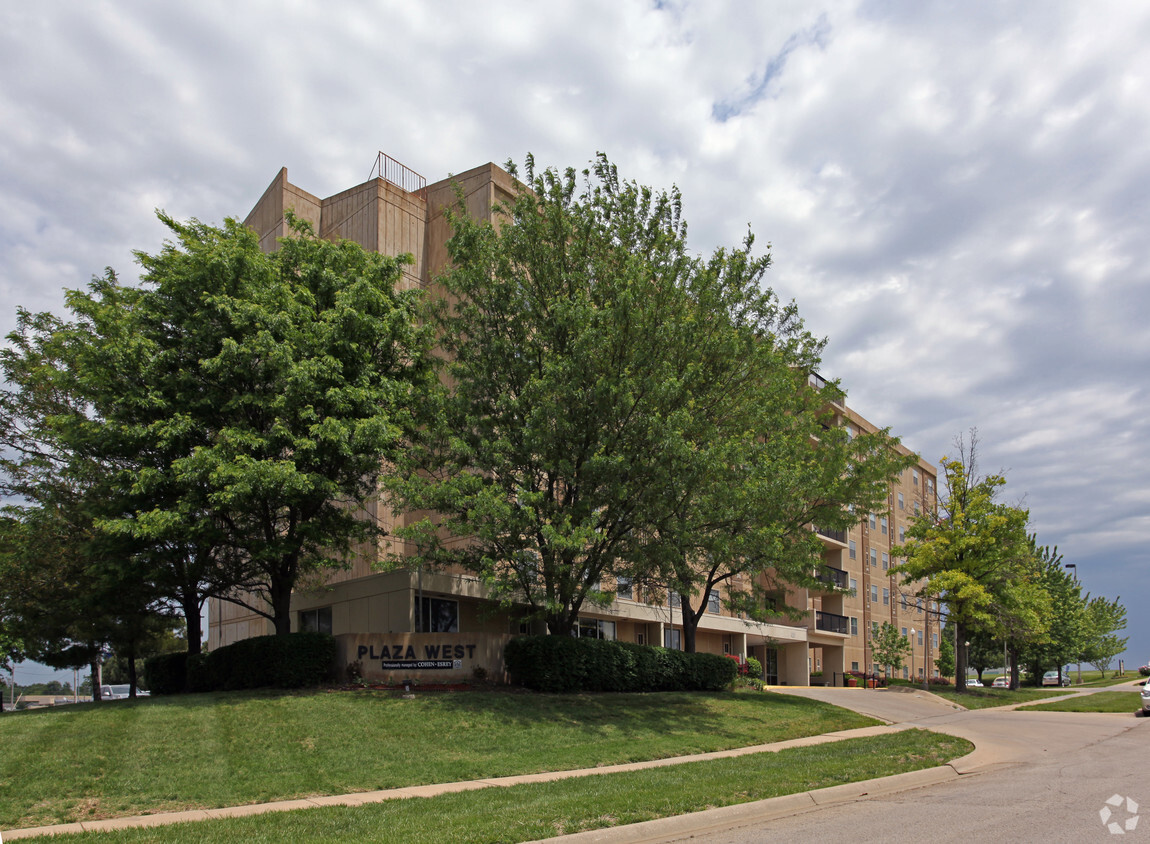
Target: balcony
x=832, y=577
x=839, y=536
x=831, y=623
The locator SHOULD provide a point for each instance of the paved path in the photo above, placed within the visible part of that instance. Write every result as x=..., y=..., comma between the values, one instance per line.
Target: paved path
x=1033, y=776
x=1001, y=738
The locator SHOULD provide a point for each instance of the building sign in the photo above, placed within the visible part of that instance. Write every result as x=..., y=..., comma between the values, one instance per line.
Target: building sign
x=401, y=656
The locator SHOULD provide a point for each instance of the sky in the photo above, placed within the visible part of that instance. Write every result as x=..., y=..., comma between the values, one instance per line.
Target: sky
x=957, y=195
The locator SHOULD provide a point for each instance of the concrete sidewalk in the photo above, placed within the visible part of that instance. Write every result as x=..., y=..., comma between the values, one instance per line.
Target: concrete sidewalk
x=362, y=798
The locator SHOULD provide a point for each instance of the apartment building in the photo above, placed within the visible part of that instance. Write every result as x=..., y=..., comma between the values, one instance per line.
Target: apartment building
x=440, y=626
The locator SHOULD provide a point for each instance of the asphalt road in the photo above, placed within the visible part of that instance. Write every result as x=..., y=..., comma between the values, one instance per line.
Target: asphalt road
x=1035, y=776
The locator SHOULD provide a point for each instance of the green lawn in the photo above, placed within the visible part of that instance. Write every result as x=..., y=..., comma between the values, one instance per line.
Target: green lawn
x=526, y=812
x=122, y=758
x=984, y=698
x=1127, y=702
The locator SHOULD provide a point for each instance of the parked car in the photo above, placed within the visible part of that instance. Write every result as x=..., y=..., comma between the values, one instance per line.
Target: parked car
x=1146, y=699
x=1050, y=678
x=973, y=683
x=119, y=691
x=1001, y=683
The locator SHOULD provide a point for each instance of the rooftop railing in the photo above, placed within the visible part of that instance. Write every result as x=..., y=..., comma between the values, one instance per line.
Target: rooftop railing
x=403, y=177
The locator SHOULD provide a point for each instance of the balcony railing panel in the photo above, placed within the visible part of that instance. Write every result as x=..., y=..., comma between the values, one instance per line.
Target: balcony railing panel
x=836, y=535
x=832, y=576
x=831, y=623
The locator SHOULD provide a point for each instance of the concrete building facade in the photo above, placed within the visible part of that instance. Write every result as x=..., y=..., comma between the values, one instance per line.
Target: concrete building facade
x=440, y=626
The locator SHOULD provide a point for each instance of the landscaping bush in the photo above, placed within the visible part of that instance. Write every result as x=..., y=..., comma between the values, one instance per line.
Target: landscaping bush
x=167, y=674
x=1144, y=670
x=282, y=662
x=567, y=664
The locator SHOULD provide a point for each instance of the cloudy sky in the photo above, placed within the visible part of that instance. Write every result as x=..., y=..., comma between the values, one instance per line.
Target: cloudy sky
x=956, y=194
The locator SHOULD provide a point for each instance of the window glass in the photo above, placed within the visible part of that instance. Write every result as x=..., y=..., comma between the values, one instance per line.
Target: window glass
x=886, y=597
x=437, y=615
x=672, y=639
x=874, y=594
x=713, y=601
x=624, y=588
x=851, y=545
x=315, y=621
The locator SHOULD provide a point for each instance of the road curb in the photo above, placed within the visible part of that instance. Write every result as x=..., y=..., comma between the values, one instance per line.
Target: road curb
x=759, y=811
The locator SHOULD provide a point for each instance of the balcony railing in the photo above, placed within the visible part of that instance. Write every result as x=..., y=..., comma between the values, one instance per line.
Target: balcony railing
x=831, y=623
x=400, y=175
x=836, y=535
x=832, y=576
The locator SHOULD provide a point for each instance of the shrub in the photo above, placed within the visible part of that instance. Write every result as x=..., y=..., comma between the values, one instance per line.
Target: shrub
x=167, y=674
x=754, y=667
x=281, y=662
x=567, y=664
x=1144, y=670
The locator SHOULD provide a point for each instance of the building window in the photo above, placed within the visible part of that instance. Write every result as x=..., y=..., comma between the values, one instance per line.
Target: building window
x=854, y=586
x=918, y=605
x=886, y=597
x=920, y=637
x=934, y=640
x=315, y=621
x=673, y=639
x=854, y=666
x=873, y=557
x=914, y=476
x=874, y=594
x=905, y=673
x=593, y=628
x=930, y=485
x=676, y=600
x=883, y=524
x=852, y=549
x=640, y=638
x=624, y=588
x=713, y=601
x=904, y=603
x=902, y=534
x=885, y=561
x=904, y=632
x=854, y=626
x=438, y=615
x=901, y=502
x=875, y=668
x=873, y=629
x=872, y=521
x=917, y=508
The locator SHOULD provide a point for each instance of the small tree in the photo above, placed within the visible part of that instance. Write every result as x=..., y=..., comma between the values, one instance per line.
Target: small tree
x=945, y=662
x=1104, y=618
x=891, y=647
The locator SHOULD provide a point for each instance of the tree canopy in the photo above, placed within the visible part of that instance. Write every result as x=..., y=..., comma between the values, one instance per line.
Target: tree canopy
x=235, y=410
x=614, y=407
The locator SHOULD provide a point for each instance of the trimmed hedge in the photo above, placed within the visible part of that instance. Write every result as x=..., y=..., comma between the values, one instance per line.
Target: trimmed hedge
x=281, y=662
x=167, y=674
x=567, y=664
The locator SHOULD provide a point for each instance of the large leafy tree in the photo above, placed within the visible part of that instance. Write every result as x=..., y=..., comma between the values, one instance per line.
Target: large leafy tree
x=972, y=554
x=244, y=405
x=614, y=406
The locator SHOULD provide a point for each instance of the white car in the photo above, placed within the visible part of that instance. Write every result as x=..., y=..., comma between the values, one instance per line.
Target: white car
x=1000, y=683
x=1146, y=699
x=120, y=691
x=973, y=683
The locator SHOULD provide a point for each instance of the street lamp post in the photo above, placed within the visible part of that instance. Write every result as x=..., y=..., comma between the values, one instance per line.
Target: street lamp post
x=1075, y=573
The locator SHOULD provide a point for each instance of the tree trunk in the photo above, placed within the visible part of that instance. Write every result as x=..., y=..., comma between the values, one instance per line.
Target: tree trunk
x=1014, y=670
x=960, y=658
x=690, y=624
x=191, y=609
x=97, y=678
x=281, y=608
x=132, y=679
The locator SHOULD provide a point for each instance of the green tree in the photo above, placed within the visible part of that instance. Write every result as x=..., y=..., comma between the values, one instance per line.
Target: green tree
x=617, y=407
x=246, y=402
x=890, y=647
x=1059, y=639
x=1101, y=644
x=973, y=553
